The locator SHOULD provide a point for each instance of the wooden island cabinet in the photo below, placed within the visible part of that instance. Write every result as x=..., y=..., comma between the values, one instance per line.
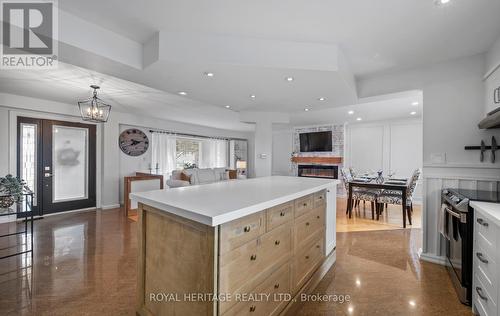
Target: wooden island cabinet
x=221, y=257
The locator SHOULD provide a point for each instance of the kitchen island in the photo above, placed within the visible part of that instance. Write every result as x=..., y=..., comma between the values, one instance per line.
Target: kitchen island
x=234, y=247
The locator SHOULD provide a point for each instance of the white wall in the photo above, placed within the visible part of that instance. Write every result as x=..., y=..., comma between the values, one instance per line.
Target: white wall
x=282, y=152
x=108, y=151
x=493, y=56
x=387, y=145
x=453, y=104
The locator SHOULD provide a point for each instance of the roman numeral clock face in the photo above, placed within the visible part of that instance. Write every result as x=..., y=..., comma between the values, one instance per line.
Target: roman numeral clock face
x=133, y=142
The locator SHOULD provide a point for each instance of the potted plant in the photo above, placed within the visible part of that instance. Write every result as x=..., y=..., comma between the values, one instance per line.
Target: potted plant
x=11, y=190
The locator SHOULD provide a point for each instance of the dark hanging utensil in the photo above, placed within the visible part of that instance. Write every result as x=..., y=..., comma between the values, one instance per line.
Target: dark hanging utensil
x=483, y=149
x=494, y=147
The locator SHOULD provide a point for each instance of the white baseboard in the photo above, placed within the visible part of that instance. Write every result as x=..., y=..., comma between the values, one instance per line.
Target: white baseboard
x=433, y=258
x=108, y=207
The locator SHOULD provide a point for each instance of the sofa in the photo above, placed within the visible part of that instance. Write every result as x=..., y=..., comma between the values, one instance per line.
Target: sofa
x=188, y=177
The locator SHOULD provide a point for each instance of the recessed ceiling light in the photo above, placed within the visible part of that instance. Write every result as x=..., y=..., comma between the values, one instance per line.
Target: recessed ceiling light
x=350, y=112
x=442, y=2
x=182, y=92
x=289, y=79
x=228, y=106
x=306, y=109
x=359, y=119
x=322, y=99
x=252, y=96
x=414, y=103
x=209, y=74
x=413, y=113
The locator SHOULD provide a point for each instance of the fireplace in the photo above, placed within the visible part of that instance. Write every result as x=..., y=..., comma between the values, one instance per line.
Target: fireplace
x=319, y=171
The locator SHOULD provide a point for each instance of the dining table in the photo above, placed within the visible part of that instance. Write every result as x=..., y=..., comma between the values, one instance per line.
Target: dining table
x=376, y=183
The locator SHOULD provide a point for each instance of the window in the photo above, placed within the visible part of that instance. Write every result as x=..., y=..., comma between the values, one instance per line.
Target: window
x=187, y=153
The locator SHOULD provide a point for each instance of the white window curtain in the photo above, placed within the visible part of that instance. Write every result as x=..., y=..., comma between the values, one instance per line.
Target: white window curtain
x=213, y=153
x=163, y=153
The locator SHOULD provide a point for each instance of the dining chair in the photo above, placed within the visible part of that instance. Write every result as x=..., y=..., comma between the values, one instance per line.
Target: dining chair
x=397, y=198
x=357, y=193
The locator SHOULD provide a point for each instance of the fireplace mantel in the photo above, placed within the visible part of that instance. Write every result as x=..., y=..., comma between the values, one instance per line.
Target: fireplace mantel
x=317, y=160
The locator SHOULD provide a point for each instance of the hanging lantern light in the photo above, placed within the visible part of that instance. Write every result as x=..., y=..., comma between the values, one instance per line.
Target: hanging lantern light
x=94, y=109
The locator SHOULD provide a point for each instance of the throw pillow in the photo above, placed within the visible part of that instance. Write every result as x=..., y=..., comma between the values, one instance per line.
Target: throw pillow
x=184, y=177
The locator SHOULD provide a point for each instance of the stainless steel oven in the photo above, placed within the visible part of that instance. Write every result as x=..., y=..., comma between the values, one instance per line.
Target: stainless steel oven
x=459, y=231
x=458, y=220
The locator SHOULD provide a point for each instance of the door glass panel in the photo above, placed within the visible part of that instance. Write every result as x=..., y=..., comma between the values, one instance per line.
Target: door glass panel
x=28, y=156
x=70, y=163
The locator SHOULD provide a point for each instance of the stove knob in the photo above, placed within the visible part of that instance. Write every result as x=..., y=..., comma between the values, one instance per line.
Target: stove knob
x=455, y=199
x=445, y=192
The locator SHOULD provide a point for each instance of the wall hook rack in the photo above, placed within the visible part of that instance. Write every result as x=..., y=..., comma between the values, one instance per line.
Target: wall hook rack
x=483, y=148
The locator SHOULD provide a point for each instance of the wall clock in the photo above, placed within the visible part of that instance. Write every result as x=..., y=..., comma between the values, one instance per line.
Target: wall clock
x=133, y=142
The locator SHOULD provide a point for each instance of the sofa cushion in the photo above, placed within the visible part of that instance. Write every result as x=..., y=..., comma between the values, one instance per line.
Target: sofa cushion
x=173, y=183
x=207, y=176
x=220, y=174
x=193, y=175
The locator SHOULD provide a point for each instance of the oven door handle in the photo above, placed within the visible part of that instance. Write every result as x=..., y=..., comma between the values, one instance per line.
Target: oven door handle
x=461, y=217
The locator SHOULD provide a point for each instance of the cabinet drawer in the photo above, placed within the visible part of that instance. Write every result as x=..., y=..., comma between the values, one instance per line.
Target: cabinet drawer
x=486, y=228
x=240, y=231
x=244, y=264
x=303, y=205
x=306, y=226
x=306, y=260
x=277, y=283
x=319, y=198
x=279, y=215
x=486, y=266
x=485, y=305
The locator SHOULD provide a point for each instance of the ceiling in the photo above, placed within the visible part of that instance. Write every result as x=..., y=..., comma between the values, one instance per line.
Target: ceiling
x=69, y=84
x=406, y=105
x=373, y=36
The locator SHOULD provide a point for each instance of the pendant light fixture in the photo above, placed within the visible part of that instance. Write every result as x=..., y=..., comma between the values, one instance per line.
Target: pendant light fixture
x=94, y=109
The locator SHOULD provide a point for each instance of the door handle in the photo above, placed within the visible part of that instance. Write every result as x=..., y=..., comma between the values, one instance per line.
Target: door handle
x=481, y=294
x=482, y=222
x=481, y=257
x=496, y=95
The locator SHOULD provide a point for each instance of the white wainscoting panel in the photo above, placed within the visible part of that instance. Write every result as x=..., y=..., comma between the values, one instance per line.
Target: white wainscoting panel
x=436, y=178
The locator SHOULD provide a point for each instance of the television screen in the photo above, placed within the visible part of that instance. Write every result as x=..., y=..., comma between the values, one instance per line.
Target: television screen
x=317, y=141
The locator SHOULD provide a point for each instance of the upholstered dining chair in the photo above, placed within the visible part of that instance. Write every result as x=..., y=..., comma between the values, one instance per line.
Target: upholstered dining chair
x=397, y=198
x=359, y=194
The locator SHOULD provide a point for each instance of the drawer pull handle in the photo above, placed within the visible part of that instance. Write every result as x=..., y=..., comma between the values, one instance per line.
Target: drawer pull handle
x=481, y=258
x=317, y=246
x=318, y=217
x=482, y=222
x=304, y=205
x=307, y=257
x=277, y=242
x=253, y=257
x=246, y=229
x=252, y=308
x=481, y=294
x=282, y=214
x=321, y=197
x=277, y=285
x=307, y=223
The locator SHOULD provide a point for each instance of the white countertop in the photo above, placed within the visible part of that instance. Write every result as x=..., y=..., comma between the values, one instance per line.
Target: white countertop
x=217, y=203
x=492, y=210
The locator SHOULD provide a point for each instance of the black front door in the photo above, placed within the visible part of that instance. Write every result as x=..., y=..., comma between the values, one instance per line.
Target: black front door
x=58, y=161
